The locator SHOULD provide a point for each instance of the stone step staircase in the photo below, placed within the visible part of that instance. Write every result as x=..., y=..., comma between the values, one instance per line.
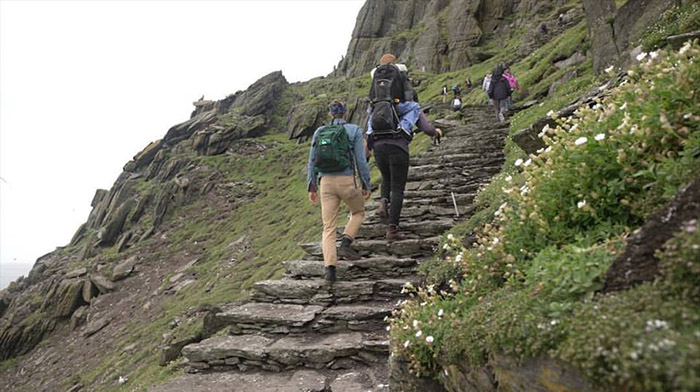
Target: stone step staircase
x=301, y=333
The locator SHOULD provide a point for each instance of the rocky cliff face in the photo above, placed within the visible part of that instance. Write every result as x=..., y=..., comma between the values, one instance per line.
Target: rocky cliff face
x=155, y=183
x=436, y=35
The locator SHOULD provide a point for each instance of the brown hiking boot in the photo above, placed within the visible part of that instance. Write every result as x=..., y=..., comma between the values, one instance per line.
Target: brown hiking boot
x=383, y=210
x=345, y=252
x=392, y=234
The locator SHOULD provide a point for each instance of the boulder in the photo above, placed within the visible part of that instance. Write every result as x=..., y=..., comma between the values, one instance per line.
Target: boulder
x=79, y=317
x=95, y=326
x=304, y=118
x=528, y=140
x=68, y=298
x=103, y=285
x=114, y=224
x=89, y=291
x=123, y=269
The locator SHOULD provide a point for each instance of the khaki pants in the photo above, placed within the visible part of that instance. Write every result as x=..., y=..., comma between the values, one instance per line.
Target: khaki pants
x=333, y=190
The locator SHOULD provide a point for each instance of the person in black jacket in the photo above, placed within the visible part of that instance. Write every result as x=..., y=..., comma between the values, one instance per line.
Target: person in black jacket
x=499, y=92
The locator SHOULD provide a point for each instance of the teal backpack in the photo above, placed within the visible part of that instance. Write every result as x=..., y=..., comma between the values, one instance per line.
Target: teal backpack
x=333, y=151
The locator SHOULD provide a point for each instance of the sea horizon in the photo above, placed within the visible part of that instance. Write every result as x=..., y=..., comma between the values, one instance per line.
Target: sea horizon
x=9, y=272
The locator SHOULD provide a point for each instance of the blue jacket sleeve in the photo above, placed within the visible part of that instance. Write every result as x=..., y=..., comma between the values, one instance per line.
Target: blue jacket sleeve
x=410, y=111
x=311, y=173
x=360, y=158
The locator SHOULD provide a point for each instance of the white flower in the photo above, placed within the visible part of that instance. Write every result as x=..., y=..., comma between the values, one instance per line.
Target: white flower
x=518, y=162
x=415, y=323
x=509, y=178
x=654, y=54
x=548, y=149
x=440, y=312
x=581, y=204
x=419, y=333
x=459, y=257
x=388, y=327
x=609, y=69
x=600, y=136
x=429, y=339
x=406, y=343
x=544, y=130
x=528, y=162
x=624, y=106
x=445, y=246
x=551, y=113
x=450, y=237
x=446, y=373
x=685, y=47
x=539, y=150
x=581, y=140
x=641, y=56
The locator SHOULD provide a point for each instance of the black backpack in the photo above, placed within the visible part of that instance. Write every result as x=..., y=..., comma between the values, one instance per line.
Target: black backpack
x=386, y=92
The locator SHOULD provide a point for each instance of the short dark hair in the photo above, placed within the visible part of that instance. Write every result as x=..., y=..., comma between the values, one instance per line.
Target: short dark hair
x=337, y=107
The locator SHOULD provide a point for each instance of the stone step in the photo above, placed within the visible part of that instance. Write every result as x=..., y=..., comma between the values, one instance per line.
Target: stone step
x=436, y=159
x=470, y=178
x=455, y=165
x=320, y=292
x=371, y=248
x=274, y=353
x=369, y=268
x=418, y=228
x=410, y=228
x=417, y=203
x=427, y=210
x=359, y=378
x=262, y=317
x=441, y=211
x=427, y=173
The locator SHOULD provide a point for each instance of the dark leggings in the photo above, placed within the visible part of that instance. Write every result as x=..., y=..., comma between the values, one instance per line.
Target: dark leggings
x=392, y=162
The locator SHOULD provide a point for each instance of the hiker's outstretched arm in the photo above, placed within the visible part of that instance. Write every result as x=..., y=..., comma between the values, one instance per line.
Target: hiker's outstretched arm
x=311, y=184
x=361, y=159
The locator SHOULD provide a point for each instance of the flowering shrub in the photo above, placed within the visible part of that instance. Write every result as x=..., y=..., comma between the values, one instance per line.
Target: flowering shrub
x=528, y=281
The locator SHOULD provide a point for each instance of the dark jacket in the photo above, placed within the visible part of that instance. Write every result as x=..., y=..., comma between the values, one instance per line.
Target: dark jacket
x=499, y=88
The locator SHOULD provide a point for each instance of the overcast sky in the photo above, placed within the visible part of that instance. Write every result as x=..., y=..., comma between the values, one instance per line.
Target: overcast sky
x=85, y=85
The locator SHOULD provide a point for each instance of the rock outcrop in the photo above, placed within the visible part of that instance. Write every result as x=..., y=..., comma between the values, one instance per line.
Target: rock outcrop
x=435, y=36
x=117, y=215
x=614, y=32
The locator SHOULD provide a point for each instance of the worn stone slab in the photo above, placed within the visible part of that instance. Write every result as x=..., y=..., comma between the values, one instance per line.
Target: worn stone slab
x=124, y=269
x=95, y=326
x=424, y=228
x=314, y=351
x=221, y=347
x=410, y=247
x=374, y=267
x=359, y=379
x=354, y=317
x=76, y=273
x=265, y=317
x=318, y=291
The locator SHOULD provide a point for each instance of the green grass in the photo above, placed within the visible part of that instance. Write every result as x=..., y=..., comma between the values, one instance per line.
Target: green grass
x=528, y=284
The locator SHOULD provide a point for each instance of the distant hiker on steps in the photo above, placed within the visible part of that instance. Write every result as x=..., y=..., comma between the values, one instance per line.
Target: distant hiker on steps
x=499, y=92
x=393, y=114
x=486, y=84
x=337, y=151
